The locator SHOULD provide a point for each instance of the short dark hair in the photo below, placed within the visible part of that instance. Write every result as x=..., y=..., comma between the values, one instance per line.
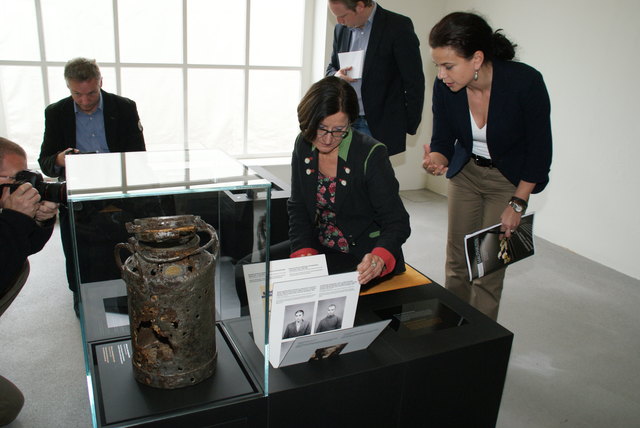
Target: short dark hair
x=324, y=98
x=81, y=70
x=8, y=146
x=467, y=33
x=351, y=4
x=299, y=310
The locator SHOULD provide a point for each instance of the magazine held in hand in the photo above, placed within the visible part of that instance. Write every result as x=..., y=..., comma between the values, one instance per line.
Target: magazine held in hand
x=487, y=250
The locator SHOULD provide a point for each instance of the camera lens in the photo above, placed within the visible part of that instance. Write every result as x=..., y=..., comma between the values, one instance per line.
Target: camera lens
x=54, y=192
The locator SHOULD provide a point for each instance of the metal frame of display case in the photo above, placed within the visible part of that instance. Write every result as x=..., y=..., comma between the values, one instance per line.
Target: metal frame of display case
x=104, y=192
x=440, y=362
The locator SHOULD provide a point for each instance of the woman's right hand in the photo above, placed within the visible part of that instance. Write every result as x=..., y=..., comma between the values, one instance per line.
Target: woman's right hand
x=433, y=162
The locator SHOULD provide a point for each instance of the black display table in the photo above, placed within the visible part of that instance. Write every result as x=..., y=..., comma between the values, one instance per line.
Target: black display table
x=440, y=363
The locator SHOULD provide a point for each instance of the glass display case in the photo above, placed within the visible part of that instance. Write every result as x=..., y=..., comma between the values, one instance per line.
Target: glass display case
x=110, y=192
x=434, y=346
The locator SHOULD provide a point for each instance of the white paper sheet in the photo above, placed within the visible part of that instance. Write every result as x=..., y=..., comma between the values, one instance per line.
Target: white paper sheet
x=353, y=59
x=310, y=297
x=279, y=270
x=332, y=343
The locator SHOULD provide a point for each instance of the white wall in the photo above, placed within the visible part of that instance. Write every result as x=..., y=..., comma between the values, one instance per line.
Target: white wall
x=587, y=51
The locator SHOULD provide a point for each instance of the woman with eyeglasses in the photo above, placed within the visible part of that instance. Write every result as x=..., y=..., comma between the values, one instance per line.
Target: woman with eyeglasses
x=344, y=195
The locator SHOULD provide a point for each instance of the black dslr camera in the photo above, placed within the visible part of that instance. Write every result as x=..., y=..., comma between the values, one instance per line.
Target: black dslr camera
x=49, y=191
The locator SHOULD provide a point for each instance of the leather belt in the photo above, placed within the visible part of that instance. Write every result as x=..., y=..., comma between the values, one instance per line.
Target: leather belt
x=483, y=162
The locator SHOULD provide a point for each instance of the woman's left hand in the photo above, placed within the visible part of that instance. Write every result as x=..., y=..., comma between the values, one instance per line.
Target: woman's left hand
x=510, y=220
x=369, y=268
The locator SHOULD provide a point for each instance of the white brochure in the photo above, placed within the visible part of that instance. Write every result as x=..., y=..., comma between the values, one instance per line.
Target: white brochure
x=355, y=60
x=332, y=343
x=304, y=307
x=279, y=270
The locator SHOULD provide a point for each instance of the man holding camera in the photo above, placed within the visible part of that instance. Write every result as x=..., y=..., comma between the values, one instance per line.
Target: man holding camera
x=26, y=224
x=89, y=121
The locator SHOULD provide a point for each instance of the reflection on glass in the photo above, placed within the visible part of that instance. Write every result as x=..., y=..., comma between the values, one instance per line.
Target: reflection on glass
x=222, y=43
x=158, y=93
x=18, y=31
x=112, y=174
x=150, y=31
x=277, y=33
x=22, y=91
x=273, y=101
x=74, y=28
x=216, y=109
x=421, y=317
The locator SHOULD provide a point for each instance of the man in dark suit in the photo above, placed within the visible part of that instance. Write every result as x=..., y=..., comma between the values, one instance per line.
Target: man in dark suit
x=299, y=327
x=391, y=90
x=89, y=121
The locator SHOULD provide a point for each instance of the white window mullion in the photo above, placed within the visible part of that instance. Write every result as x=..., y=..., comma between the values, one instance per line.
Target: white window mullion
x=245, y=121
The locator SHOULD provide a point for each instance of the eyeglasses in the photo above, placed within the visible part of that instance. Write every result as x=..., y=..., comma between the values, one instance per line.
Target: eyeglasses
x=335, y=134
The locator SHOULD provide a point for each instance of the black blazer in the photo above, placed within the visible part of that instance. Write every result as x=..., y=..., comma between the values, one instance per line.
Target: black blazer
x=121, y=125
x=518, y=125
x=20, y=236
x=369, y=210
x=392, y=77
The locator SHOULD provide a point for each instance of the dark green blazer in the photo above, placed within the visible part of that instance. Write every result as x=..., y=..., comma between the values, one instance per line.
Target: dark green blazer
x=369, y=211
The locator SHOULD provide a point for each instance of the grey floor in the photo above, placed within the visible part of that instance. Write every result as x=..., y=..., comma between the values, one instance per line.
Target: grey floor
x=575, y=360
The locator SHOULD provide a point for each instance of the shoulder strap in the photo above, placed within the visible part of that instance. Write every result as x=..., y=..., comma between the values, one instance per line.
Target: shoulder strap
x=369, y=155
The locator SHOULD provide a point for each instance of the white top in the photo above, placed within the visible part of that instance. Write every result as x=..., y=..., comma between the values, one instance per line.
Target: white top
x=479, y=135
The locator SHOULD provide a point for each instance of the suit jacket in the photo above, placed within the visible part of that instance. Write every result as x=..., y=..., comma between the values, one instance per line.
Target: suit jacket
x=328, y=323
x=392, y=77
x=290, y=331
x=121, y=125
x=20, y=236
x=369, y=211
x=518, y=125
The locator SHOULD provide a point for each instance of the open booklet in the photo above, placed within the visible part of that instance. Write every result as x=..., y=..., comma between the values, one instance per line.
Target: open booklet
x=279, y=271
x=329, y=344
x=487, y=250
x=311, y=313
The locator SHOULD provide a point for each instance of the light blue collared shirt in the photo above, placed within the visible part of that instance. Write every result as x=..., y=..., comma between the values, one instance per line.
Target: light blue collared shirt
x=359, y=42
x=90, y=134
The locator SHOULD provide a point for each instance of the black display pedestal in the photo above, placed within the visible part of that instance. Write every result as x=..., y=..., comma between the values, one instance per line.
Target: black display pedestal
x=440, y=363
x=231, y=398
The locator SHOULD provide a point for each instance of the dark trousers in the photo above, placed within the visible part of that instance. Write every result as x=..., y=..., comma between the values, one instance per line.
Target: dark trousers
x=11, y=401
x=67, y=247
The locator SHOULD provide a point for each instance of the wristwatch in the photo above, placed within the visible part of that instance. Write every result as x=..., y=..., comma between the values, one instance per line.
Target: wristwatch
x=518, y=205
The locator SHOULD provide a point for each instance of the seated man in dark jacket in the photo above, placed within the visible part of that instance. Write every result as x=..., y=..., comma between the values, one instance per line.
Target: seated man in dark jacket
x=89, y=121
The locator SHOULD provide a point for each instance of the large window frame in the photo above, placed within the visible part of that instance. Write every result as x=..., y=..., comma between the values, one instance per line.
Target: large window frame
x=310, y=69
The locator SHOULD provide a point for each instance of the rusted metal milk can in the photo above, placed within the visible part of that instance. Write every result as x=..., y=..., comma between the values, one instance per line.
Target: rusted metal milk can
x=170, y=288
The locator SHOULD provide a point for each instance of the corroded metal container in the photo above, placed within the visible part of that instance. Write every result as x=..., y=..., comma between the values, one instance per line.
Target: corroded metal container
x=170, y=288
